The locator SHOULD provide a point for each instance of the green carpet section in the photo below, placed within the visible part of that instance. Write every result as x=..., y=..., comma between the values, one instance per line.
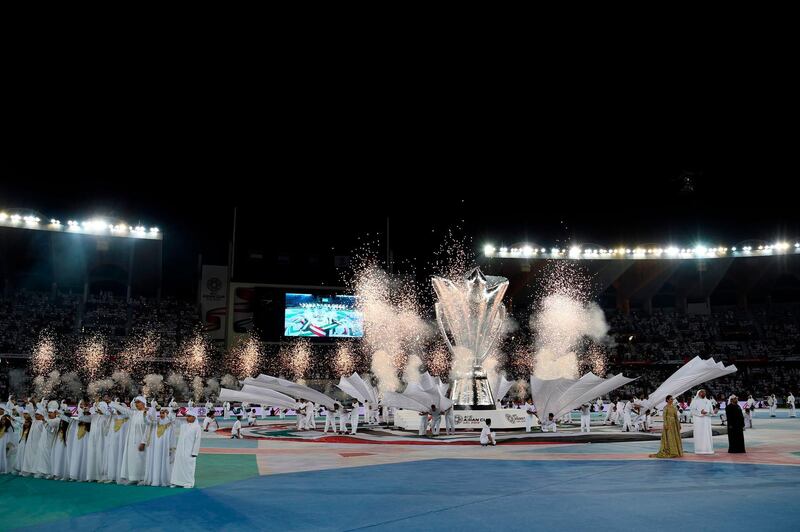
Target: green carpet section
x=26, y=501
x=215, y=469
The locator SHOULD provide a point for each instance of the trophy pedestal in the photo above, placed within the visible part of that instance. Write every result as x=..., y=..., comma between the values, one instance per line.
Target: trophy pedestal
x=472, y=391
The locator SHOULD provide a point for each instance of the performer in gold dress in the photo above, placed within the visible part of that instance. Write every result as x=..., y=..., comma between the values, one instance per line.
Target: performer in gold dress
x=671, y=433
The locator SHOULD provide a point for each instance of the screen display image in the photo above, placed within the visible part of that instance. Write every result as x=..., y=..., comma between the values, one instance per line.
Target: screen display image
x=322, y=316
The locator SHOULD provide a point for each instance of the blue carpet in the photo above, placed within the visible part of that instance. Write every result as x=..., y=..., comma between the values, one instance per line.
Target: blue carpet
x=457, y=494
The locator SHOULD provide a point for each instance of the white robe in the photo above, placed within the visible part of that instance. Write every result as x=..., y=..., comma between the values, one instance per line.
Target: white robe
x=9, y=438
x=115, y=446
x=790, y=403
x=44, y=459
x=78, y=447
x=157, y=456
x=186, y=449
x=449, y=421
x=226, y=409
x=22, y=444
x=586, y=418
x=133, y=460
x=96, y=447
x=330, y=420
x=354, y=419
x=35, y=434
x=703, y=441
x=423, y=423
x=311, y=420
x=59, y=454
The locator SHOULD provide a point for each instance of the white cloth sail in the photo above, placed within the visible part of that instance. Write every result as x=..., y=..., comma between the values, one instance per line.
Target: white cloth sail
x=694, y=372
x=292, y=389
x=258, y=395
x=356, y=387
x=500, y=387
x=546, y=394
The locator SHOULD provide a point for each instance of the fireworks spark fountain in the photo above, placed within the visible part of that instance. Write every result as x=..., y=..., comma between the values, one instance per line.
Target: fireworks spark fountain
x=44, y=353
x=178, y=386
x=138, y=348
x=296, y=359
x=95, y=389
x=193, y=360
x=153, y=385
x=197, y=388
x=343, y=363
x=71, y=387
x=124, y=382
x=244, y=359
x=91, y=354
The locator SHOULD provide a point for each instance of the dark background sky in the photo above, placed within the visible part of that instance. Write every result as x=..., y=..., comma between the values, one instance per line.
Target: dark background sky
x=320, y=185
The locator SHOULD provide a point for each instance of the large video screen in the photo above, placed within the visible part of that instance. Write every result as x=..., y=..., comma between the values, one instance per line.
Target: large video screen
x=322, y=316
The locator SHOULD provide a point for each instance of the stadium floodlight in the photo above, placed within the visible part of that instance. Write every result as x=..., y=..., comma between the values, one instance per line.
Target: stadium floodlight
x=672, y=251
x=488, y=250
x=700, y=250
x=55, y=222
x=154, y=230
x=527, y=251
x=3, y=217
x=15, y=218
x=797, y=245
x=574, y=251
x=733, y=248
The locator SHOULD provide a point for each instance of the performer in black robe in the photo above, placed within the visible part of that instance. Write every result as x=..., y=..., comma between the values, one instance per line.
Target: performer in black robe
x=735, y=426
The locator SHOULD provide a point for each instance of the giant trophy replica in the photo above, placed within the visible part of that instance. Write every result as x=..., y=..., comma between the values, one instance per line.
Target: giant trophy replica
x=470, y=314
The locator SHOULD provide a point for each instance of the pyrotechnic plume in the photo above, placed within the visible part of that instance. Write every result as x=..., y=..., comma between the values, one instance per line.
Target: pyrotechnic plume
x=438, y=362
x=193, y=359
x=124, y=382
x=141, y=346
x=45, y=386
x=71, y=387
x=44, y=353
x=98, y=387
x=153, y=385
x=413, y=370
x=179, y=388
x=296, y=359
x=564, y=317
x=384, y=370
x=343, y=362
x=91, y=355
x=244, y=359
x=212, y=388
x=197, y=388
x=230, y=382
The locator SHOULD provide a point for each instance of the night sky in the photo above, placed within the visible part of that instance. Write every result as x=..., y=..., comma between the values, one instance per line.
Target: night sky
x=323, y=200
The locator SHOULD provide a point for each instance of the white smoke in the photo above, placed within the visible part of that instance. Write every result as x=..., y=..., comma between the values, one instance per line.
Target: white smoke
x=413, y=370
x=384, y=370
x=71, y=386
x=46, y=386
x=197, y=388
x=124, y=382
x=153, y=385
x=560, y=324
x=230, y=382
x=463, y=360
x=212, y=388
x=98, y=387
x=180, y=390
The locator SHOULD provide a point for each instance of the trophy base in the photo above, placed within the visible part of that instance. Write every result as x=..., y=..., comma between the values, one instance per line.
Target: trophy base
x=472, y=392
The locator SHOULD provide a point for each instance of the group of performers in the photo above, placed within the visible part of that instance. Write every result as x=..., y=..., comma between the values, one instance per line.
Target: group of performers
x=104, y=441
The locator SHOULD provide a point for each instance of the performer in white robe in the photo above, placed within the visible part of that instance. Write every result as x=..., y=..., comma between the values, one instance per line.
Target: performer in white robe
x=609, y=414
x=773, y=405
x=300, y=414
x=96, y=448
x=701, y=412
x=251, y=417
x=117, y=436
x=790, y=404
x=330, y=418
x=186, y=450
x=599, y=404
x=132, y=468
x=423, y=423
x=226, y=409
x=8, y=440
x=35, y=434
x=22, y=425
x=619, y=412
x=586, y=418
x=236, y=430
x=78, y=443
x=173, y=405
x=210, y=407
x=549, y=425
x=436, y=420
x=385, y=414
x=311, y=416
x=210, y=423
x=450, y=420
x=627, y=424
x=157, y=456
x=354, y=419
x=44, y=460
x=58, y=459
x=749, y=410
